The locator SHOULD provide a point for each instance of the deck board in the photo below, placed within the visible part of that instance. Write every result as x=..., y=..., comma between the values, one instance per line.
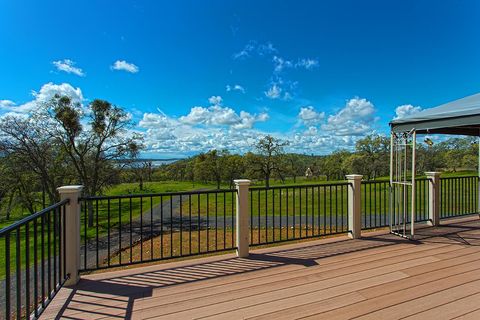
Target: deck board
x=377, y=277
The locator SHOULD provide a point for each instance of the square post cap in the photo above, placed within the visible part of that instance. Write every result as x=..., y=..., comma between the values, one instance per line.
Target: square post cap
x=242, y=182
x=433, y=173
x=70, y=189
x=354, y=176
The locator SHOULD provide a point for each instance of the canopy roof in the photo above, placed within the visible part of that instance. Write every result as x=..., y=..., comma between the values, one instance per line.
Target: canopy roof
x=457, y=117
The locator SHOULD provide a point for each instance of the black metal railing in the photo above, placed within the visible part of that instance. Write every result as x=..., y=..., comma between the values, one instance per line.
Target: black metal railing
x=376, y=202
x=284, y=213
x=458, y=196
x=130, y=229
x=33, y=266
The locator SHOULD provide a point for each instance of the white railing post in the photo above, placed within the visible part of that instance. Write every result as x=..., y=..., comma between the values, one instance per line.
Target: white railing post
x=433, y=198
x=242, y=220
x=354, y=205
x=72, y=231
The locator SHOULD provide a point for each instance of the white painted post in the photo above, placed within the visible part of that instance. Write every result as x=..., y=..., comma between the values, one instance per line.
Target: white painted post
x=242, y=217
x=354, y=205
x=433, y=198
x=72, y=232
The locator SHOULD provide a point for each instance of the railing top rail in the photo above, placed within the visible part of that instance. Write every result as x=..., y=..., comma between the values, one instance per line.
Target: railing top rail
x=293, y=186
x=160, y=194
x=32, y=217
x=459, y=177
x=375, y=181
x=388, y=181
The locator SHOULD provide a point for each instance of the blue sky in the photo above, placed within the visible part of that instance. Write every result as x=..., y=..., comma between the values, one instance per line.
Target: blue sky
x=197, y=75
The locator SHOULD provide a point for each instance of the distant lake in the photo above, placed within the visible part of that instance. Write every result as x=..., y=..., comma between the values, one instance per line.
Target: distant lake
x=155, y=162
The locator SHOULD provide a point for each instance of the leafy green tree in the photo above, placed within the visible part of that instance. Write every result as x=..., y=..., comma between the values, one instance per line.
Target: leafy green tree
x=333, y=166
x=92, y=139
x=31, y=155
x=233, y=167
x=267, y=161
x=375, y=151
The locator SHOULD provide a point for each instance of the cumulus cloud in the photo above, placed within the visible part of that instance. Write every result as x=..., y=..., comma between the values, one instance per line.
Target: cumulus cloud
x=6, y=104
x=68, y=66
x=218, y=115
x=45, y=94
x=125, y=66
x=165, y=134
x=354, y=119
x=274, y=92
x=203, y=128
x=406, y=110
x=309, y=116
x=235, y=87
x=215, y=100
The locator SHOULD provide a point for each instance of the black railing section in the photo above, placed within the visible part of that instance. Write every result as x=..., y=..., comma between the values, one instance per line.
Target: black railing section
x=458, y=196
x=284, y=213
x=33, y=262
x=376, y=202
x=131, y=229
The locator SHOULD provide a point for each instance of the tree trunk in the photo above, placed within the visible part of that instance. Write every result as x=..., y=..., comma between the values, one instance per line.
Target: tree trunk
x=9, y=207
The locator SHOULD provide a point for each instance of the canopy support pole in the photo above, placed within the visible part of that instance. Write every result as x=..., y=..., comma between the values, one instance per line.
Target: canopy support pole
x=391, y=181
x=414, y=160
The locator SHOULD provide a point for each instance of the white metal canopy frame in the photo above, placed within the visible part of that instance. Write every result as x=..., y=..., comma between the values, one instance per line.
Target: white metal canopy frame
x=459, y=117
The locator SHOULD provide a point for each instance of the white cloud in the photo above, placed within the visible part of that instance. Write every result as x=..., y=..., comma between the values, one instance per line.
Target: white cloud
x=355, y=118
x=215, y=100
x=45, y=94
x=169, y=135
x=202, y=129
x=6, y=104
x=279, y=64
x=217, y=115
x=125, y=66
x=307, y=63
x=252, y=47
x=235, y=87
x=274, y=92
x=309, y=116
x=68, y=66
x=406, y=110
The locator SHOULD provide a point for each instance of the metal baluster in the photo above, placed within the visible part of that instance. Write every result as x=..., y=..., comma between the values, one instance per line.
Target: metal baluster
x=19, y=274
x=108, y=232
x=7, y=276
x=120, y=231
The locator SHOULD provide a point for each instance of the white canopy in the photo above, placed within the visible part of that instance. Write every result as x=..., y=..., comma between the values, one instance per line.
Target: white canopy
x=457, y=117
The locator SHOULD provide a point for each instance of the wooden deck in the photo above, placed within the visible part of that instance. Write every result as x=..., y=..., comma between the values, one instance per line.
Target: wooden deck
x=378, y=277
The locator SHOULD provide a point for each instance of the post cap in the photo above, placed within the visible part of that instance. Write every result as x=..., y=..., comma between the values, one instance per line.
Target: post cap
x=433, y=173
x=354, y=176
x=70, y=189
x=242, y=182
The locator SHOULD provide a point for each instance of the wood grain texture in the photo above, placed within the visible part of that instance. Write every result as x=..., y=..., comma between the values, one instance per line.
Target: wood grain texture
x=377, y=277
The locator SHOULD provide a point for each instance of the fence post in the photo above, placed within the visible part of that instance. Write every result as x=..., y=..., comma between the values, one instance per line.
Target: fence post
x=242, y=217
x=433, y=198
x=72, y=232
x=354, y=205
